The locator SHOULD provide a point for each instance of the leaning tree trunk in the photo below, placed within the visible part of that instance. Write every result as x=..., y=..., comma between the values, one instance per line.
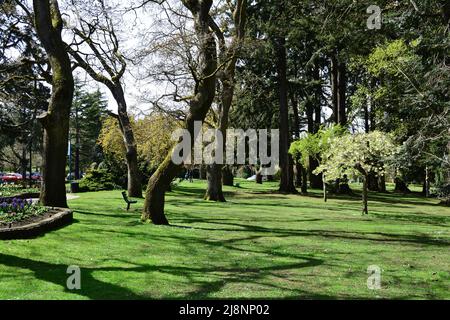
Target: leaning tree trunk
x=200, y=104
x=134, y=185
x=157, y=186
x=55, y=121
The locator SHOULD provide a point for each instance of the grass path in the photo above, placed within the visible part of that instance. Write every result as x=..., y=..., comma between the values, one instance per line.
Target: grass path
x=257, y=245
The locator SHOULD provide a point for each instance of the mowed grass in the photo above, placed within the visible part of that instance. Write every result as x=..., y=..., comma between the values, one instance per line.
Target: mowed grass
x=259, y=244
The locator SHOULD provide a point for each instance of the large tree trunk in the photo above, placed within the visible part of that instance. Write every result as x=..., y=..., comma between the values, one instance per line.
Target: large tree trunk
x=198, y=109
x=56, y=120
x=382, y=183
x=342, y=96
x=400, y=186
x=372, y=182
x=214, y=177
x=318, y=100
x=313, y=112
x=334, y=87
x=339, y=88
x=227, y=80
x=287, y=179
x=446, y=12
x=156, y=189
x=227, y=176
x=134, y=185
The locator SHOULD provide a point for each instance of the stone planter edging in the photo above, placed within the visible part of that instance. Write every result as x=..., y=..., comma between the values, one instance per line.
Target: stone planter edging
x=60, y=217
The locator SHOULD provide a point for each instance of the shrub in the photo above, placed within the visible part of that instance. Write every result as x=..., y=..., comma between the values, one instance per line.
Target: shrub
x=245, y=172
x=442, y=191
x=97, y=180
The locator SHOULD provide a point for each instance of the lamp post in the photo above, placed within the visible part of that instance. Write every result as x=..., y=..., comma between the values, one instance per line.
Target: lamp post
x=69, y=154
x=30, y=150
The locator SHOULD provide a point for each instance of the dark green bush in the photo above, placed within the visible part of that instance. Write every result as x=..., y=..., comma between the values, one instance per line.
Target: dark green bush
x=97, y=180
x=442, y=191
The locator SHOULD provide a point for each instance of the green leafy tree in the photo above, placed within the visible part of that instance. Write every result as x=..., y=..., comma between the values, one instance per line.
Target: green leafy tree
x=314, y=146
x=88, y=111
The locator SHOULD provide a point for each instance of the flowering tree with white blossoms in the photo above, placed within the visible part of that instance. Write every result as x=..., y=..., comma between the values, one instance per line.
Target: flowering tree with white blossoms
x=357, y=155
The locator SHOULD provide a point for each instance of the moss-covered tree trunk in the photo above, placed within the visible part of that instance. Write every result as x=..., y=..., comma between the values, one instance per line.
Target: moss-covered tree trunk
x=134, y=185
x=55, y=121
x=199, y=106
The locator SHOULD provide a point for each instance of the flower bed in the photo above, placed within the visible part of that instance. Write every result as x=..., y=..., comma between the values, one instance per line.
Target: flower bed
x=20, y=218
x=14, y=210
x=13, y=190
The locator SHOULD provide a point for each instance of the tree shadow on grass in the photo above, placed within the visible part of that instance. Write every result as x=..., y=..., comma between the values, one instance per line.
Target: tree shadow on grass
x=96, y=289
x=398, y=199
x=415, y=218
x=57, y=274
x=222, y=276
x=420, y=239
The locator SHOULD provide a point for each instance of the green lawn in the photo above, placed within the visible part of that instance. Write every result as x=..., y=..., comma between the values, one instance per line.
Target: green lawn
x=257, y=245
